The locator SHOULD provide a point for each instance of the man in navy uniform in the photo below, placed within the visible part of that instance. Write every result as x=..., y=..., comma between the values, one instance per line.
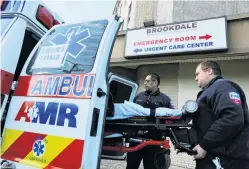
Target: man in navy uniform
x=222, y=121
x=151, y=98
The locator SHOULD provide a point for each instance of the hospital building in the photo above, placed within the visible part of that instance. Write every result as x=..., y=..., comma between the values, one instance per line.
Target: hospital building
x=171, y=37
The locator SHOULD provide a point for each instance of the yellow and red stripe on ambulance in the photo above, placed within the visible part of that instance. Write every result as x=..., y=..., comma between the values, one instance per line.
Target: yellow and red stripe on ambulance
x=55, y=152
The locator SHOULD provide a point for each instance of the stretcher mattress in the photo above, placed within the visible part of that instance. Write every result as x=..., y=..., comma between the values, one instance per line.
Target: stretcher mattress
x=129, y=109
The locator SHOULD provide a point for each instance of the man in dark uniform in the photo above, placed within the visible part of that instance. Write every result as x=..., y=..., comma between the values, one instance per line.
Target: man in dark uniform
x=222, y=121
x=151, y=98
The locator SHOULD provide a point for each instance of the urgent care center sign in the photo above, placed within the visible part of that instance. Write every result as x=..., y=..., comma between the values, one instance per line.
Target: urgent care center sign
x=203, y=35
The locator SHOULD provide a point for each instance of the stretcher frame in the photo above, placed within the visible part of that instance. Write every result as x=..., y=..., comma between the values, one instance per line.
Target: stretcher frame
x=129, y=130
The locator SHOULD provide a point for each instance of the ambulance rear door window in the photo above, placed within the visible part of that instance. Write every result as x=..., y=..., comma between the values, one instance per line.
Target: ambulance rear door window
x=68, y=49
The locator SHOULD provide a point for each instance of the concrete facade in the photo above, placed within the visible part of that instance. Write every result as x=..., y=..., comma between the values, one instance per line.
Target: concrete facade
x=195, y=10
x=163, y=12
x=235, y=70
x=127, y=10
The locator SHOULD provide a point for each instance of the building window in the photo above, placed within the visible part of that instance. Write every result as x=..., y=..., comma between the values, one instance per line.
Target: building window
x=129, y=15
x=130, y=9
x=122, y=26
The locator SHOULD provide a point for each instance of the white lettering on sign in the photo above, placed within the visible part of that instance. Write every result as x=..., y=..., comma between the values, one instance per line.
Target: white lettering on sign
x=51, y=56
x=200, y=35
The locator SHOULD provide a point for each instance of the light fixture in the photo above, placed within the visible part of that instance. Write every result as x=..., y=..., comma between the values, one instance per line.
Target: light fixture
x=149, y=23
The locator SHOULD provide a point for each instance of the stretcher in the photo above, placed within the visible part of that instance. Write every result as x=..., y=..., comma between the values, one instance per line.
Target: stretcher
x=131, y=122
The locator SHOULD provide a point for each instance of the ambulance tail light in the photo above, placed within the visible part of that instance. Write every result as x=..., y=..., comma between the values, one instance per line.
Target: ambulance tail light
x=45, y=17
x=1, y=2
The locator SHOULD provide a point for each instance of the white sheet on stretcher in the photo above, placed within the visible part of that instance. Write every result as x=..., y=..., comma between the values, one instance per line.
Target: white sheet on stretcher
x=129, y=109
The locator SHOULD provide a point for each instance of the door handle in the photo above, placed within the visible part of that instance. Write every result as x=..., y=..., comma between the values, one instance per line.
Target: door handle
x=95, y=120
x=100, y=92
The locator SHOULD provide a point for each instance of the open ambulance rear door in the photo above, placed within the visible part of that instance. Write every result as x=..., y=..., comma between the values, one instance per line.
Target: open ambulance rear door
x=57, y=113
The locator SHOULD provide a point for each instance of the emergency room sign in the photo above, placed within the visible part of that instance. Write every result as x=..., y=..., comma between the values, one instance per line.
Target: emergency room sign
x=203, y=35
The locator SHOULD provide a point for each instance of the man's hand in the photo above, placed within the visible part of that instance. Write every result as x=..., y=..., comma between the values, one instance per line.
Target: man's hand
x=201, y=153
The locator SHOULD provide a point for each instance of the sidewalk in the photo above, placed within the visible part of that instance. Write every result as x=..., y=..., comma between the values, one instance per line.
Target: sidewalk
x=112, y=164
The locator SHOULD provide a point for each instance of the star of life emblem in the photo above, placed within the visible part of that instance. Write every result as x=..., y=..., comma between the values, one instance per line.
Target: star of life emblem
x=74, y=37
x=33, y=112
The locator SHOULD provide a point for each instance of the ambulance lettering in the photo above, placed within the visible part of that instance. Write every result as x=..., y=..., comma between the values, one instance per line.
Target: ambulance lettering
x=79, y=86
x=52, y=114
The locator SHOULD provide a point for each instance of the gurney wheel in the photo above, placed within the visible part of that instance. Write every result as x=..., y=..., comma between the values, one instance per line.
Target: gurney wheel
x=162, y=160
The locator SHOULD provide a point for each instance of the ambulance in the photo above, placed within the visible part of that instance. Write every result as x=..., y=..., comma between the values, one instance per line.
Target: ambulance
x=23, y=23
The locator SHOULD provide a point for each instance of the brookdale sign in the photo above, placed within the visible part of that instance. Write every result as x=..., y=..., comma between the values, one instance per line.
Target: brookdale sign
x=203, y=35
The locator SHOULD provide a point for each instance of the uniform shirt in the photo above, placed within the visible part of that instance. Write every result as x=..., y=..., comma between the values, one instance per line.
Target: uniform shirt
x=222, y=119
x=154, y=100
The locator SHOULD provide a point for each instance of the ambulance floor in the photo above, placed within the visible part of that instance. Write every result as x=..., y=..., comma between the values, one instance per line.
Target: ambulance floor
x=111, y=164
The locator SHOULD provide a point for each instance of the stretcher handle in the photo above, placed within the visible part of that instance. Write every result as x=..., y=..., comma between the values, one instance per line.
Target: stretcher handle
x=189, y=152
x=193, y=152
x=161, y=127
x=163, y=144
x=181, y=147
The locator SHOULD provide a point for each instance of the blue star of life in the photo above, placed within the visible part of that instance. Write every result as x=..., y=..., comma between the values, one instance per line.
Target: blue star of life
x=73, y=37
x=38, y=148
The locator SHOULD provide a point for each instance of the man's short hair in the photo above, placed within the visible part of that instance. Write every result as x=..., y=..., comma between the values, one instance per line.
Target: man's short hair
x=213, y=65
x=155, y=77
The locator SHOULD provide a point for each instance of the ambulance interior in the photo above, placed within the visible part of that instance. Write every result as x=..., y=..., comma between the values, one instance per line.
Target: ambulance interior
x=119, y=133
x=29, y=42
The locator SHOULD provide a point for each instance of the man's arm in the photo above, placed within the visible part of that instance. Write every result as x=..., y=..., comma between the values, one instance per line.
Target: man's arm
x=134, y=100
x=171, y=104
x=168, y=103
x=229, y=114
x=138, y=97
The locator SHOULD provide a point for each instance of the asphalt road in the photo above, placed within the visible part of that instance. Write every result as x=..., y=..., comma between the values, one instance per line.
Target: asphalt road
x=112, y=164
